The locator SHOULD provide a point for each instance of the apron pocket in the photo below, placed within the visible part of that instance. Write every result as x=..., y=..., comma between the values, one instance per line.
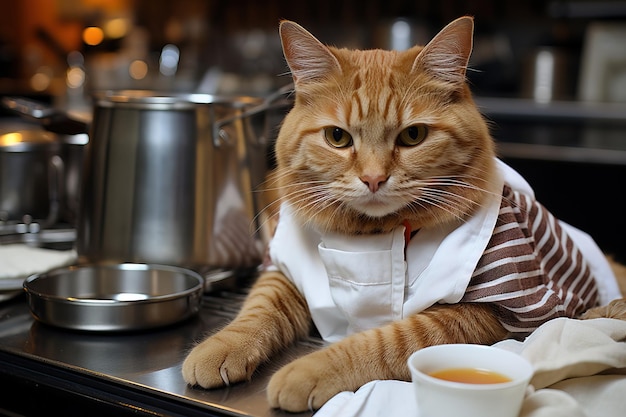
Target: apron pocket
x=361, y=286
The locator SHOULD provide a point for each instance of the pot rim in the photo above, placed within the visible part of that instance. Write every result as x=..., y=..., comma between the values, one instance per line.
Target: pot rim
x=149, y=99
x=30, y=283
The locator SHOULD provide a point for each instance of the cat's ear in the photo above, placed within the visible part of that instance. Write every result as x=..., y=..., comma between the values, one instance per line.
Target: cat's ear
x=447, y=54
x=307, y=57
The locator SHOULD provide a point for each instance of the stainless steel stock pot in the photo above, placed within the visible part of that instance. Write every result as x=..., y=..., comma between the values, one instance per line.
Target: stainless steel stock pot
x=170, y=179
x=30, y=175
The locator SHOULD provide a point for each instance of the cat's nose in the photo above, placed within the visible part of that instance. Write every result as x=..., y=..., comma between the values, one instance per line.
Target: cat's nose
x=374, y=182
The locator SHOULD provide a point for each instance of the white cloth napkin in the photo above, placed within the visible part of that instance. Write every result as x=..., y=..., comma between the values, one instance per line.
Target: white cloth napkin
x=580, y=371
x=20, y=261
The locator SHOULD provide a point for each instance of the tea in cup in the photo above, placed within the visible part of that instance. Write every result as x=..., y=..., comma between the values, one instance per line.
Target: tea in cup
x=469, y=380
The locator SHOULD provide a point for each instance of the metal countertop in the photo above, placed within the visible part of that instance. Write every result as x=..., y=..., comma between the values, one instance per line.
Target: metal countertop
x=146, y=362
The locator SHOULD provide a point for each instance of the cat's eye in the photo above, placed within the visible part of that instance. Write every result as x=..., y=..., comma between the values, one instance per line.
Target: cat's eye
x=412, y=135
x=337, y=137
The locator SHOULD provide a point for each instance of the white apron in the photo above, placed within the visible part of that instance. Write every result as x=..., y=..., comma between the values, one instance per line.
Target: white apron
x=354, y=283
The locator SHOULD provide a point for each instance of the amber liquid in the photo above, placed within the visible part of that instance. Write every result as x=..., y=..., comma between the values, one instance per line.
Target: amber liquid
x=470, y=376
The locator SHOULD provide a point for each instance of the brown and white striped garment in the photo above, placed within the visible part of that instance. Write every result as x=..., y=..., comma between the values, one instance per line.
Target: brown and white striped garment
x=531, y=269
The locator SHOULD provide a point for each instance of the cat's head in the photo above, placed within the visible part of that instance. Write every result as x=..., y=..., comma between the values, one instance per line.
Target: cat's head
x=376, y=138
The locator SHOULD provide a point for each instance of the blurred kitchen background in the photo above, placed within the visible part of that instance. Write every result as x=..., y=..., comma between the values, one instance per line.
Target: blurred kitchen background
x=523, y=49
x=550, y=75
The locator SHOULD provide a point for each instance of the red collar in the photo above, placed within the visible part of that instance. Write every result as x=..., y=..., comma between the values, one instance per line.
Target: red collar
x=407, y=232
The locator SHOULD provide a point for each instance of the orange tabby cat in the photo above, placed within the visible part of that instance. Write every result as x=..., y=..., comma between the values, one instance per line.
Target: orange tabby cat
x=386, y=163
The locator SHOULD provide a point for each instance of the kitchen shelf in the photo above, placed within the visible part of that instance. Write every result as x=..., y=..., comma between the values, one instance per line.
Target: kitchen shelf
x=554, y=110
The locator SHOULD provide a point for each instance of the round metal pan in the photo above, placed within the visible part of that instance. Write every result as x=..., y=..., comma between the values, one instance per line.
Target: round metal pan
x=118, y=297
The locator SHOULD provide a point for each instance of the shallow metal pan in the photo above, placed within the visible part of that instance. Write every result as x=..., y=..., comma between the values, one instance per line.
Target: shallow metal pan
x=118, y=297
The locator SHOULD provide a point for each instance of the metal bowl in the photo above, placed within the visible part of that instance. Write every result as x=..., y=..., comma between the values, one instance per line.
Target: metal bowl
x=118, y=297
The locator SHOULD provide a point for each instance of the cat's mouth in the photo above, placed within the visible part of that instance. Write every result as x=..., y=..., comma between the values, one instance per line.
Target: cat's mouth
x=375, y=205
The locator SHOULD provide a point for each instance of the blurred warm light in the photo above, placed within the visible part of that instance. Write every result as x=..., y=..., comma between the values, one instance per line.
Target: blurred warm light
x=138, y=69
x=75, y=77
x=41, y=80
x=9, y=139
x=93, y=35
x=116, y=28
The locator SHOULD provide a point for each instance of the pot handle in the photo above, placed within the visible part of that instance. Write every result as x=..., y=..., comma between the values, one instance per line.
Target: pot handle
x=56, y=170
x=53, y=120
x=218, y=131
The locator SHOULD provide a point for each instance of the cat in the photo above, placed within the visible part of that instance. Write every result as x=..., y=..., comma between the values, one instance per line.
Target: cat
x=382, y=154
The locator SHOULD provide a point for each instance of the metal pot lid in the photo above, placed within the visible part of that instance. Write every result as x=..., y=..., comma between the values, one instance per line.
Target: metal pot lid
x=147, y=99
x=27, y=140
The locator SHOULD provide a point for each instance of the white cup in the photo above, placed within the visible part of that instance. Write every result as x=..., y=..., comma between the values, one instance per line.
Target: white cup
x=440, y=398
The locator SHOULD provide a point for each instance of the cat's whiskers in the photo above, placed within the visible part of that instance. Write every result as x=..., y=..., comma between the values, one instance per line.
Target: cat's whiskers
x=270, y=208
x=260, y=225
x=449, y=195
x=305, y=191
x=279, y=187
x=314, y=197
x=429, y=203
x=308, y=186
x=297, y=191
x=454, y=202
x=479, y=178
x=433, y=196
x=308, y=211
x=450, y=182
x=313, y=202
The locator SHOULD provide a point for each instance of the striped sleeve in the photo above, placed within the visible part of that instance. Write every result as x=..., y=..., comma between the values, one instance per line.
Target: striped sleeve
x=531, y=270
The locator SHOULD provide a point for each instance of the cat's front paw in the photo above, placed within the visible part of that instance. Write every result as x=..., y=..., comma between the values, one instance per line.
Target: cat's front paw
x=304, y=384
x=219, y=361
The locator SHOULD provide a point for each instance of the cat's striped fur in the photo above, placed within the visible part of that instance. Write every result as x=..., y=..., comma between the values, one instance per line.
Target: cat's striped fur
x=376, y=96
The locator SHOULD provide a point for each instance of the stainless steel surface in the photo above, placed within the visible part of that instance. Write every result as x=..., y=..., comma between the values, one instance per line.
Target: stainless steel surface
x=165, y=182
x=146, y=361
x=114, y=297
